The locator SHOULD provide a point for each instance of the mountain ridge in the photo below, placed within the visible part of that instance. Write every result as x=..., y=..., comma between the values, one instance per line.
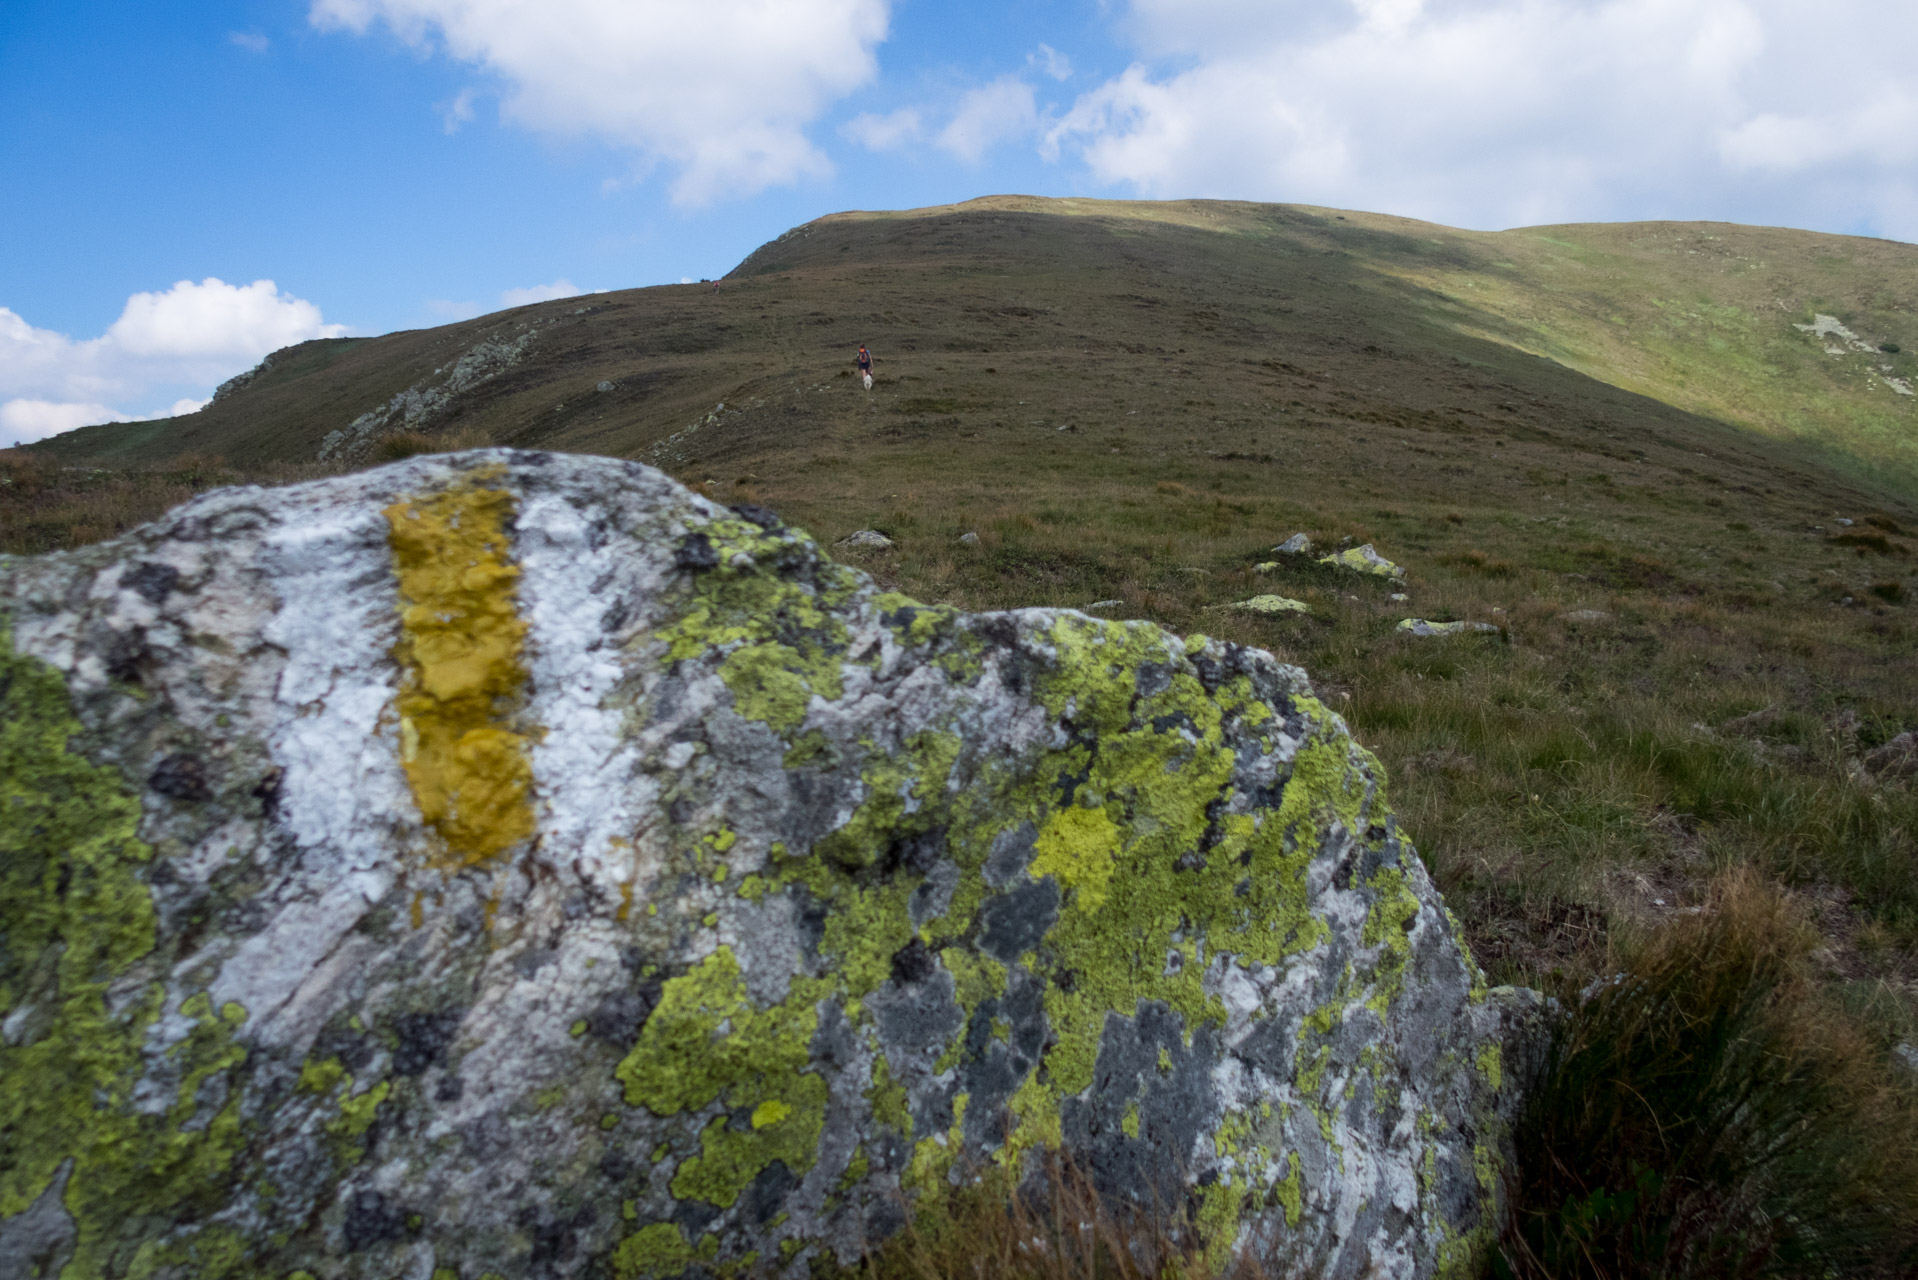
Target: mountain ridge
x=1698, y=342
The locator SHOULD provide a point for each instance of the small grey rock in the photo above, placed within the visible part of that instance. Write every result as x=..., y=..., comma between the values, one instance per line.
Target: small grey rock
x=606, y=386
x=1587, y=615
x=869, y=539
x=1296, y=545
x=968, y=539
x=1896, y=759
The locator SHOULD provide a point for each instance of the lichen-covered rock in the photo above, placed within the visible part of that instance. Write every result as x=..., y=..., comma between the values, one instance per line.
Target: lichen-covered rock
x=516, y=865
x=866, y=540
x=1421, y=627
x=1365, y=560
x=1272, y=605
x=1296, y=545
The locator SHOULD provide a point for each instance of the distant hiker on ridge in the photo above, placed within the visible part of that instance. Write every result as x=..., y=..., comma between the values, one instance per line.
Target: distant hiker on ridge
x=865, y=366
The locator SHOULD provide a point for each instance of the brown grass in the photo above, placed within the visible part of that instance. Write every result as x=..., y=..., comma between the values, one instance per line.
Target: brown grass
x=1709, y=1111
x=1057, y=1227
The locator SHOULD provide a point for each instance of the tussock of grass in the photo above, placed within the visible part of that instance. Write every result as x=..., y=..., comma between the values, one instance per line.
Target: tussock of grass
x=411, y=444
x=1056, y=1228
x=1708, y=1112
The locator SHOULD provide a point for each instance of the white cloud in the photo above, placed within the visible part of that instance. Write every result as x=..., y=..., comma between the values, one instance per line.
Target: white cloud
x=1499, y=112
x=540, y=293
x=187, y=339
x=251, y=41
x=216, y=320
x=885, y=133
x=452, y=312
x=457, y=112
x=24, y=420
x=721, y=90
x=988, y=115
x=1051, y=62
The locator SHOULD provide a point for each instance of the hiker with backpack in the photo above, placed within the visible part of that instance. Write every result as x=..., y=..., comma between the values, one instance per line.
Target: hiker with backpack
x=865, y=366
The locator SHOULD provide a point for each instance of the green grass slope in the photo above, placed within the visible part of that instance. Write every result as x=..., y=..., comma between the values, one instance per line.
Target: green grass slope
x=1710, y=318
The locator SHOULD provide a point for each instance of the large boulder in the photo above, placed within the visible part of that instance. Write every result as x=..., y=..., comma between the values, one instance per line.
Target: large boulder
x=518, y=865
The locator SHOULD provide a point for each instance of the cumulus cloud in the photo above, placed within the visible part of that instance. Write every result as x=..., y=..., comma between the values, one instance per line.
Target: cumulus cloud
x=186, y=339
x=251, y=41
x=720, y=90
x=23, y=420
x=540, y=293
x=889, y=132
x=1498, y=112
x=458, y=111
x=1050, y=61
x=988, y=115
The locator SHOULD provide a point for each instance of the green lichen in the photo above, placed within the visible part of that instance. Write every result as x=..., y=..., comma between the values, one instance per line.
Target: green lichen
x=358, y=1111
x=658, y=1249
x=778, y=646
x=1289, y=1193
x=75, y=918
x=707, y=1039
x=1491, y=1065
x=888, y=1099
x=1392, y=912
x=898, y=787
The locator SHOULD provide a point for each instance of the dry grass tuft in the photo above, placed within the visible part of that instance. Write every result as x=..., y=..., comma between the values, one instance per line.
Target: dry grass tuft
x=1709, y=1112
x=411, y=444
x=1056, y=1228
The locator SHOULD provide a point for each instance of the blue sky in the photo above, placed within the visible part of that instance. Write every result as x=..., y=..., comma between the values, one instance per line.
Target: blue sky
x=188, y=186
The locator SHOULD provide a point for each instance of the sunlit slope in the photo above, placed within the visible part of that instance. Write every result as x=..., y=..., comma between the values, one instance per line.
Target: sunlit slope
x=1780, y=330
x=1784, y=331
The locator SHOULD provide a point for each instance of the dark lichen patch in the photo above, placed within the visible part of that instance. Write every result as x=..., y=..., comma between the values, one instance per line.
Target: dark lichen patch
x=75, y=923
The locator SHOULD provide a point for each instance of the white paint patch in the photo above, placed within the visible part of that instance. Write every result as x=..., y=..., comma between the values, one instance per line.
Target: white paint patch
x=586, y=775
x=344, y=797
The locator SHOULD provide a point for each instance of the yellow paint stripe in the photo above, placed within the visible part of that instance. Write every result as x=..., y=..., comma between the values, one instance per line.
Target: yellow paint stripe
x=459, y=650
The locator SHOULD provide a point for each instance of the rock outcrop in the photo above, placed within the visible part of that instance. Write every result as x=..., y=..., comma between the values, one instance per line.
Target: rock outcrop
x=518, y=865
x=1365, y=560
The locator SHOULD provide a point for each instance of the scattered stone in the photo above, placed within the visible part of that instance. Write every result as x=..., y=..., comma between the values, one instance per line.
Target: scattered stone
x=1896, y=759
x=1588, y=615
x=1907, y=1053
x=606, y=386
x=683, y=886
x=866, y=539
x=968, y=539
x=1420, y=627
x=1296, y=545
x=1272, y=605
x=1398, y=597
x=1267, y=566
x=1843, y=521
x=1364, y=560
x=1098, y=605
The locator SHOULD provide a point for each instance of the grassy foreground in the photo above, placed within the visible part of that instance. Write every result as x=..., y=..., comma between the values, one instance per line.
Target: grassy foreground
x=1678, y=758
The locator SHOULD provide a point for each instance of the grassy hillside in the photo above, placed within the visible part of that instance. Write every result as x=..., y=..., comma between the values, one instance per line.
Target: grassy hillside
x=1692, y=527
